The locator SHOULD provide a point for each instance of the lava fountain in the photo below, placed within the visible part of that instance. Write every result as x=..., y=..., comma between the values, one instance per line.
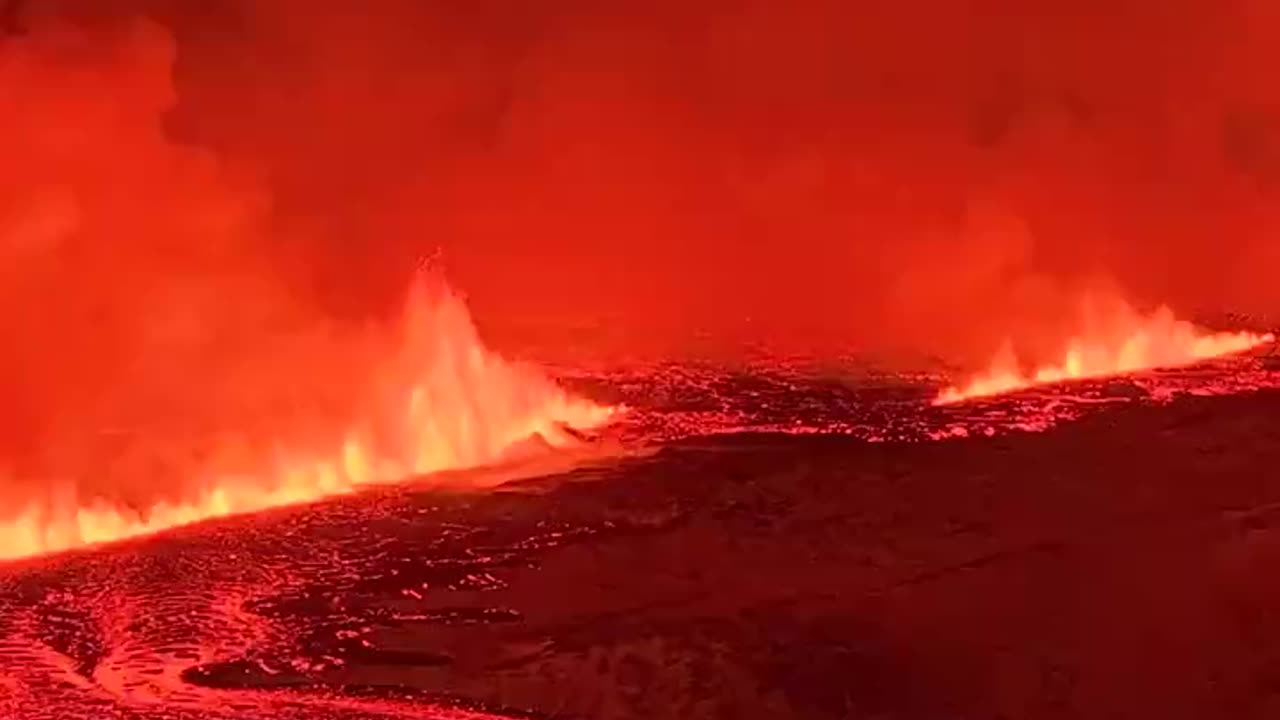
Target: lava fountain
x=442, y=401
x=1143, y=343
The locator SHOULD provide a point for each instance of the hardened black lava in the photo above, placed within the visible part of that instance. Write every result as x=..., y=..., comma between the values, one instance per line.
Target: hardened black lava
x=792, y=545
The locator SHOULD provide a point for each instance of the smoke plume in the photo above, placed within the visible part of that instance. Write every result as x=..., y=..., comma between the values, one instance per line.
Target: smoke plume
x=667, y=177
x=199, y=201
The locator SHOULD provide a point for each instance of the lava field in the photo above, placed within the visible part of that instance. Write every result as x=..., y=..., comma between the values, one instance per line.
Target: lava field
x=769, y=542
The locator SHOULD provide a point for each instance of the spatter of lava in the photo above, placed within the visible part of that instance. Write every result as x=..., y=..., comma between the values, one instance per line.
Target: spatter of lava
x=443, y=401
x=1156, y=341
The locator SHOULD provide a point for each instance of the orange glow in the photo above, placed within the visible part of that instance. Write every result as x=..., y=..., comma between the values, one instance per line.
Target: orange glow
x=443, y=401
x=1142, y=343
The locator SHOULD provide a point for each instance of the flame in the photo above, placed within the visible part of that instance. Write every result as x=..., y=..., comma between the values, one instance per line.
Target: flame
x=1154, y=341
x=443, y=401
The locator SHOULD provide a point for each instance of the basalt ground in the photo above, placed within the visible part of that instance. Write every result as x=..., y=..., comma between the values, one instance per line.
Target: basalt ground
x=788, y=544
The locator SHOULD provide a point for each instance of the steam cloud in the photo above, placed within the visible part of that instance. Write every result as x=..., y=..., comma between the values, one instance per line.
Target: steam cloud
x=195, y=205
x=138, y=301
x=671, y=177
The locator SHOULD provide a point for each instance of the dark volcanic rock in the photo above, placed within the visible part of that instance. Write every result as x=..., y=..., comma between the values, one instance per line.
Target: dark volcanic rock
x=1120, y=566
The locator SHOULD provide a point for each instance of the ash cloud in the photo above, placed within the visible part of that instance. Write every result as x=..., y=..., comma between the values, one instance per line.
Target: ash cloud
x=663, y=179
x=144, y=315
x=671, y=178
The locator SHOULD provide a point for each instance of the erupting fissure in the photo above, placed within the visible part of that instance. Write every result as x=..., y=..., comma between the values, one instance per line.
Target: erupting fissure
x=1158, y=340
x=443, y=401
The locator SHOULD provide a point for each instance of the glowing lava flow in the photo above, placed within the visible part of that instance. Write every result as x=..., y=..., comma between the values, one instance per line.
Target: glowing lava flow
x=1156, y=341
x=443, y=402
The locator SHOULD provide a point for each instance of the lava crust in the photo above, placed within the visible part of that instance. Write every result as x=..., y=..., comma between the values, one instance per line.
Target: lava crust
x=768, y=561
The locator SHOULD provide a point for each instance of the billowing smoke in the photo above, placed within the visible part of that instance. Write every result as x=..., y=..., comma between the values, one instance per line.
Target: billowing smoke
x=138, y=295
x=670, y=177
x=639, y=177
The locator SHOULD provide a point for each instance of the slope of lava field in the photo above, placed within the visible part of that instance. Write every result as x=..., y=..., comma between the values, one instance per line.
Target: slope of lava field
x=790, y=544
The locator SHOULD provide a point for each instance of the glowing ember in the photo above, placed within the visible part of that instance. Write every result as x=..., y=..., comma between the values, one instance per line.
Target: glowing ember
x=1156, y=341
x=444, y=401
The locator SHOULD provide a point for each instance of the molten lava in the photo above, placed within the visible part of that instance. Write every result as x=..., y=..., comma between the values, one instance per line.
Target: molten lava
x=1144, y=343
x=442, y=401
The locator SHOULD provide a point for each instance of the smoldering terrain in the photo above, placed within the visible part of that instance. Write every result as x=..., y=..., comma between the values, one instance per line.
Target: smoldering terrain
x=1096, y=550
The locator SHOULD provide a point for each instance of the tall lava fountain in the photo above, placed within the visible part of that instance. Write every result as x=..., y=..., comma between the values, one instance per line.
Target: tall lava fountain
x=159, y=368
